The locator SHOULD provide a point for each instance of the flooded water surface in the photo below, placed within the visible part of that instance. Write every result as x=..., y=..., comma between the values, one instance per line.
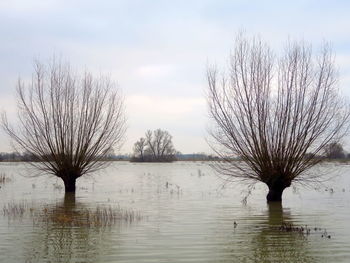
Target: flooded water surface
x=178, y=212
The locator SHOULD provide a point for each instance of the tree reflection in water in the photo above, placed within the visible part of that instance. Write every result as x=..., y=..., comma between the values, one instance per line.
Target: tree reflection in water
x=272, y=245
x=56, y=241
x=257, y=238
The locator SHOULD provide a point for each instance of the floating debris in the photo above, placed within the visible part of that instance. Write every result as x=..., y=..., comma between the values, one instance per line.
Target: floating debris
x=325, y=234
x=101, y=216
x=303, y=230
x=16, y=210
x=200, y=173
x=174, y=188
x=88, y=217
x=288, y=227
x=4, y=178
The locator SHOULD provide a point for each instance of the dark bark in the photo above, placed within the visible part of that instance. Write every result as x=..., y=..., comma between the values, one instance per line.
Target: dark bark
x=69, y=184
x=275, y=195
x=276, y=189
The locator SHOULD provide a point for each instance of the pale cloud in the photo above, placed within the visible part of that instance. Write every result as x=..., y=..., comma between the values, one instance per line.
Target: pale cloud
x=154, y=71
x=27, y=7
x=183, y=117
x=163, y=106
x=157, y=51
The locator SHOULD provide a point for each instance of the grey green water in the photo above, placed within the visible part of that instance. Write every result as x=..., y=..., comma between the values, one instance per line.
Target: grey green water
x=188, y=215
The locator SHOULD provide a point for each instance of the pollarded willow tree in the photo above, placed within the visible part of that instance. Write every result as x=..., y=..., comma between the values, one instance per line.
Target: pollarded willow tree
x=68, y=122
x=275, y=114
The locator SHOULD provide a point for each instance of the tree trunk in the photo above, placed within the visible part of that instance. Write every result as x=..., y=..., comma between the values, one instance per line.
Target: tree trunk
x=69, y=184
x=275, y=194
x=276, y=190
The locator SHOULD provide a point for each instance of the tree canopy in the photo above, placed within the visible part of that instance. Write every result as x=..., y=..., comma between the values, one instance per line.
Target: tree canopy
x=69, y=122
x=156, y=146
x=271, y=110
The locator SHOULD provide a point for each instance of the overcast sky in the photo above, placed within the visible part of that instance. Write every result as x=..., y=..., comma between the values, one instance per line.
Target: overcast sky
x=157, y=51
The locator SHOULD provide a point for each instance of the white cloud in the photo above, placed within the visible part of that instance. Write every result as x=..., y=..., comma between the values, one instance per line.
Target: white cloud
x=154, y=71
x=163, y=107
x=183, y=117
x=157, y=50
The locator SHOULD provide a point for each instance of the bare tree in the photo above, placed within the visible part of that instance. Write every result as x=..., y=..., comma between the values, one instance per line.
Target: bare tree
x=271, y=111
x=69, y=122
x=139, y=149
x=155, y=147
x=334, y=150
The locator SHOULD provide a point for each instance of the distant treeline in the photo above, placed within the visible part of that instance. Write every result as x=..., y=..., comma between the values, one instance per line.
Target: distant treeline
x=151, y=158
x=17, y=157
x=196, y=157
x=27, y=157
x=177, y=157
